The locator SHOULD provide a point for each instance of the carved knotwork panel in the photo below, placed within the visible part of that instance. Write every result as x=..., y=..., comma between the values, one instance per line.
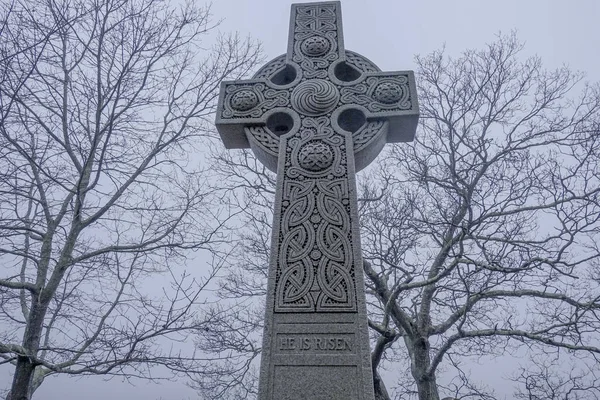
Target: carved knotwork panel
x=315, y=41
x=380, y=93
x=252, y=100
x=315, y=268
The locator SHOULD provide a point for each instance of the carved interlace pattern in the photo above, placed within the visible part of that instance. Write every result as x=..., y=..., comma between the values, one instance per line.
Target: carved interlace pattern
x=380, y=93
x=270, y=68
x=315, y=46
x=315, y=156
x=243, y=100
x=262, y=98
x=367, y=134
x=315, y=269
x=264, y=138
x=315, y=39
x=388, y=92
x=361, y=63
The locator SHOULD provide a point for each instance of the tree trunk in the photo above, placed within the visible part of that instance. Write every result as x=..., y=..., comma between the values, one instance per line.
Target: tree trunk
x=380, y=390
x=427, y=389
x=426, y=382
x=25, y=368
x=22, y=379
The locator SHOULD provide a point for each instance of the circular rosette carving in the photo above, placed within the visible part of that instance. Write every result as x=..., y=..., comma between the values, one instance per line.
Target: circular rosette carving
x=388, y=92
x=252, y=100
x=243, y=100
x=315, y=97
x=315, y=156
x=315, y=46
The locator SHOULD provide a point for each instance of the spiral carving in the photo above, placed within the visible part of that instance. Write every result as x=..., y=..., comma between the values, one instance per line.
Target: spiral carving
x=315, y=97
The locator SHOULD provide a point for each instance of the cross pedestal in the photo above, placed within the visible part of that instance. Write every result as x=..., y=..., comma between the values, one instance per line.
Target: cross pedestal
x=316, y=115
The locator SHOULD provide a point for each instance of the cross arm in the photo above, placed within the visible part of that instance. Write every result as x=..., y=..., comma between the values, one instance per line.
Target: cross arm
x=246, y=103
x=389, y=96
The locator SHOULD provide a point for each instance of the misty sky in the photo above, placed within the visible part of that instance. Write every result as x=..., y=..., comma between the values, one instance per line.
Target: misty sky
x=390, y=33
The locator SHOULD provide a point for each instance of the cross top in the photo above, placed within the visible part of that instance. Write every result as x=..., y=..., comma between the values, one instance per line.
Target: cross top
x=316, y=80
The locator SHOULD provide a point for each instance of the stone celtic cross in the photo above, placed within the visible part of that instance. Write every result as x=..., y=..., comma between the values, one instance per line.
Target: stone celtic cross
x=316, y=115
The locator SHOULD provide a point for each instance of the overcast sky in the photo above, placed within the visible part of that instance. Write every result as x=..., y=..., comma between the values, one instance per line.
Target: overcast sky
x=390, y=33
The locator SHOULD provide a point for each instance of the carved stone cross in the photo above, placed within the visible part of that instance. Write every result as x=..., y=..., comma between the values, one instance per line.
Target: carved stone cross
x=316, y=115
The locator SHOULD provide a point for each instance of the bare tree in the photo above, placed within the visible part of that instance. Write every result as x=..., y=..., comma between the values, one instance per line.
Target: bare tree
x=558, y=378
x=102, y=106
x=479, y=238
x=234, y=339
x=488, y=237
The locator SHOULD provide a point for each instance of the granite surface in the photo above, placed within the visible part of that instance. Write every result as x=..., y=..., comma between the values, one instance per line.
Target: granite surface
x=316, y=115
